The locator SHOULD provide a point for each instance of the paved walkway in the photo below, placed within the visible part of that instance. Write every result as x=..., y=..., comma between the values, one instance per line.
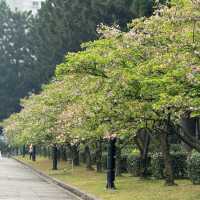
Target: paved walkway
x=20, y=183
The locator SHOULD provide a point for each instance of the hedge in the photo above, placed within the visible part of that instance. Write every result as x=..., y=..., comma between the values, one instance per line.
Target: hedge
x=193, y=163
x=179, y=165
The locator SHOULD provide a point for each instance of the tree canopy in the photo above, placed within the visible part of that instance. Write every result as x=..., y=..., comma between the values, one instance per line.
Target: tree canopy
x=17, y=75
x=31, y=47
x=120, y=83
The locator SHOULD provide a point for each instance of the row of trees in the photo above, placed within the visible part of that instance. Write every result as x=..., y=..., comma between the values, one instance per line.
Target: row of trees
x=31, y=47
x=16, y=72
x=140, y=81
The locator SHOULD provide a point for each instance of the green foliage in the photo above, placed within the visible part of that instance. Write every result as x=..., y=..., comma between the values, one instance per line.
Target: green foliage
x=157, y=166
x=133, y=165
x=118, y=84
x=194, y=167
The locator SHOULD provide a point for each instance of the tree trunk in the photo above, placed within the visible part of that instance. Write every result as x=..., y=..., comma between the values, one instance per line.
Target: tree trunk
x=118, y=170
x=63, y=153
x=39, y=152
x=58, y=154
x=144, y=158
x=142, y=140
x=75, y=155
x=49, y=153
x=111, y=164
x=165, y=148
x=23, y=151
x=34, y=153
x=88, y=158
x=45, y=152
x=99, y=156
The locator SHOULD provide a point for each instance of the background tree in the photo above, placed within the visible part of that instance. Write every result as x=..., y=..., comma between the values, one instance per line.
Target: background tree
x=17, y=74
x=61, y=26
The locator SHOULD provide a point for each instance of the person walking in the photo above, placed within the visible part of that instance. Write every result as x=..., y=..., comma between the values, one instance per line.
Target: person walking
x=31, y=151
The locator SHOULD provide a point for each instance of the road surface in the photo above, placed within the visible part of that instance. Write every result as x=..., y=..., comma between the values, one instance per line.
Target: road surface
x=17, y=182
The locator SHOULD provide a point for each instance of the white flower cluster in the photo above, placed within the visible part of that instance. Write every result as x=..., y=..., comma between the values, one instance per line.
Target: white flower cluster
x=108, y=32
x=110, y=136
x=197, y=2
x=75, y=141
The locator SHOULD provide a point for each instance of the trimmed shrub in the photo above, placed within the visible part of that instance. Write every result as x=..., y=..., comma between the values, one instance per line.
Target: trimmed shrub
x=133, y=165
x=123, y=163
x=82, y=157
x=179, y=165
x=193, y=163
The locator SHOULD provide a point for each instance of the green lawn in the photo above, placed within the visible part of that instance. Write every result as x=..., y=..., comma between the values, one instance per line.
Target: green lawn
x=128, y=188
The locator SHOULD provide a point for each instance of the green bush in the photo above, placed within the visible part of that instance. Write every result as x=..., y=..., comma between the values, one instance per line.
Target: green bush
x=82, y=156
x=193, y=163
x=133, y=164
x=123, y=163
x=157, y=165
x=104, y=160
x=179, y=165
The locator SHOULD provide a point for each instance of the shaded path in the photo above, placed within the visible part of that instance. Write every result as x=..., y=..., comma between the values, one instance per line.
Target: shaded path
x=20, y=183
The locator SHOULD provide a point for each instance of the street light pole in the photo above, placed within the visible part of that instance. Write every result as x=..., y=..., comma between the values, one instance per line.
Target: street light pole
x=55, y=157
x=111, y=162
x=34, y=153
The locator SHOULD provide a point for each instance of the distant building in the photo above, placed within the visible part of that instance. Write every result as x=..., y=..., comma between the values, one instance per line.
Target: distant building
x=25, y=5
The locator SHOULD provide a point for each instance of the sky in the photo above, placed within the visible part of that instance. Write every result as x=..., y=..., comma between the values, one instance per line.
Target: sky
x=24, y=5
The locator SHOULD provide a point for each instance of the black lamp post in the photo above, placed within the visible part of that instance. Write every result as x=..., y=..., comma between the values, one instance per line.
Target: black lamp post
x=34, y=153
x=55, y=157
x=111, y=162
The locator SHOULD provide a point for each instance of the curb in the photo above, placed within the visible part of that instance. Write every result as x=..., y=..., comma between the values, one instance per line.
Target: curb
x=74, y=190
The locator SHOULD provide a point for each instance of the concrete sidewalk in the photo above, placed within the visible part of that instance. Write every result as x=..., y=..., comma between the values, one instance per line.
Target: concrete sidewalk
x=20, y=183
